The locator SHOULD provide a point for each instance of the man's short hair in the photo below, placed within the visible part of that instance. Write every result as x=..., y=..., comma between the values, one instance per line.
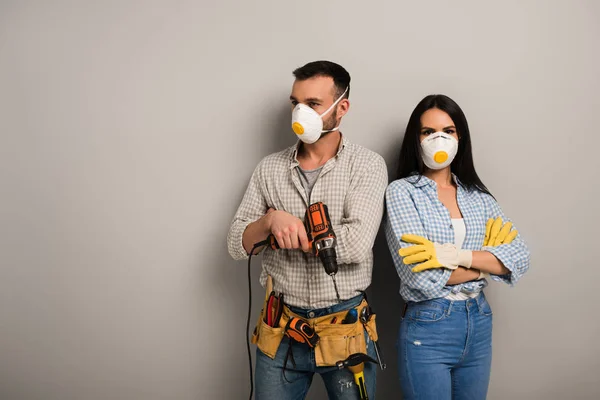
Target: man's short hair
x=341, y=77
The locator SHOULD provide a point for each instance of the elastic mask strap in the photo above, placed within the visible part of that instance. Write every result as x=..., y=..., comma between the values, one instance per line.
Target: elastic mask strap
x=331, y=130
x=330, y=108
x=335, y=102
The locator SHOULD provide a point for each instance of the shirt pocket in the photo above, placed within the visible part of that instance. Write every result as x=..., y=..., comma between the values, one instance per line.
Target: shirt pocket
x=475, y=217
x=475, y=233
x=438, y=229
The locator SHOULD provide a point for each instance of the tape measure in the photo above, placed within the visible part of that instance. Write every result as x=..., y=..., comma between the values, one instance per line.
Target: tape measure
x=299, y=330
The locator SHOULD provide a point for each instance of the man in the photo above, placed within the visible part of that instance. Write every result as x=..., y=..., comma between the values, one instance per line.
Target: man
x=324, y=166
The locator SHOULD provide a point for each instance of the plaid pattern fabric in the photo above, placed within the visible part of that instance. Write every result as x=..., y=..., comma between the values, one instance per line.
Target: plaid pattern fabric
x=352, y=185
x=413, y=207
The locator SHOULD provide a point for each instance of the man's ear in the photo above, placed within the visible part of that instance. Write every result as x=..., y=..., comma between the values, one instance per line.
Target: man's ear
x=343, y=107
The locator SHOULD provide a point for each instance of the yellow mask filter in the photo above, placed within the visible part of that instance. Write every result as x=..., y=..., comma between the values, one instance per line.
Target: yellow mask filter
x=440, y=157
x=297, y=128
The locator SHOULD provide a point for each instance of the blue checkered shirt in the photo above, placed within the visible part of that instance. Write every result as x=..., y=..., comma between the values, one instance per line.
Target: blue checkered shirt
x=413, y=207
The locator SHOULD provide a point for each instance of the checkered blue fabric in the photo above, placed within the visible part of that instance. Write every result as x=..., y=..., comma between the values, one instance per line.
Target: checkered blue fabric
x=413, y=207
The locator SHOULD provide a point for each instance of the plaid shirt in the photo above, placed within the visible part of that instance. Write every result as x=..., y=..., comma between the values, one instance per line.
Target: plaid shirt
x=352, y=185
x=413, y=207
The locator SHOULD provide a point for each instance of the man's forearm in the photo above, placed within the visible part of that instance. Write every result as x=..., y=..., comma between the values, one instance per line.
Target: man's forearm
x=256, y=232
x=462, y=275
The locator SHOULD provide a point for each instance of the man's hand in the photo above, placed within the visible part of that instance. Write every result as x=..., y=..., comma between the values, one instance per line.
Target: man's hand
x=288, y=230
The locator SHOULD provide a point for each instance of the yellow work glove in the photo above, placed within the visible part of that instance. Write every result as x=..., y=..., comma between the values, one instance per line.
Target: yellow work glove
x=496, y=233
x=433, y=255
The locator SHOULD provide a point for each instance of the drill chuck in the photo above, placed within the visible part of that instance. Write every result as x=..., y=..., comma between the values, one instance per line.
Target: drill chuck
x=326, y=250
x=329, y=260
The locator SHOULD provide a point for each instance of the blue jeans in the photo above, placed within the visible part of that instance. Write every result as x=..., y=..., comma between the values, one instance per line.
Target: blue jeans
x=445, y=349
x=270, y=381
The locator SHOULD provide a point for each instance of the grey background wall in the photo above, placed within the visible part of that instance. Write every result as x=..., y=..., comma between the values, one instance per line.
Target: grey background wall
x=129, y=131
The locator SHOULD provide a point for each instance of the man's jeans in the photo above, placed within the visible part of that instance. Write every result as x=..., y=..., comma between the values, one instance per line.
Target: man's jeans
x=445, y=349
x=272, y=385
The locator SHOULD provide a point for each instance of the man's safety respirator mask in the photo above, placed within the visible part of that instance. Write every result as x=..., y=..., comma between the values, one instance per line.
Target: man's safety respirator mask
x=307, y=124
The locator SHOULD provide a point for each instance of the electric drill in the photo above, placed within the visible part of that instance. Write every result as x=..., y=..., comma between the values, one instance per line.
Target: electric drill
x=321, y=239
x=320, y=236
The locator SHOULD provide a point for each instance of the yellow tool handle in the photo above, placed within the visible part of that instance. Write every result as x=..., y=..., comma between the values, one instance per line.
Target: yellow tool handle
x=359, y=379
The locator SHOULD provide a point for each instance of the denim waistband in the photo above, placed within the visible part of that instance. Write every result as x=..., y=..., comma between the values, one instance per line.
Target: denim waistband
x=455, y=304
x=319, y=312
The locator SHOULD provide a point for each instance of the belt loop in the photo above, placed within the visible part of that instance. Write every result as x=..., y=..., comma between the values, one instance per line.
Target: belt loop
x=405, y=308
x=450, y=308
x=478, y=300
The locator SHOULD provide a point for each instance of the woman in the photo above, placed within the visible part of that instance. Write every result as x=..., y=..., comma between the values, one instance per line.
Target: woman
x=446, y=235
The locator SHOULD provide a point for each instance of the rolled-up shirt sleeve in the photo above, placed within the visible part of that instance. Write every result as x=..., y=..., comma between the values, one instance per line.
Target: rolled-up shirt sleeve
x=515, y=256
x=252, y=207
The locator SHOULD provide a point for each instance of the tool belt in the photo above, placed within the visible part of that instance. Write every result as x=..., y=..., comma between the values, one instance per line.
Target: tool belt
x=337, y=341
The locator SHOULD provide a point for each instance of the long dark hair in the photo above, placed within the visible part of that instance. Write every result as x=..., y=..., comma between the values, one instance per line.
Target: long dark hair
x=410, y=152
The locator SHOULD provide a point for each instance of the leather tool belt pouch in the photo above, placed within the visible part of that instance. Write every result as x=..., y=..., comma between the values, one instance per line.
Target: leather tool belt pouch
x=337, y=341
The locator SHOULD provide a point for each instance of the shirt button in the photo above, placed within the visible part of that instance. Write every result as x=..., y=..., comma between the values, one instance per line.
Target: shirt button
x=311, y=314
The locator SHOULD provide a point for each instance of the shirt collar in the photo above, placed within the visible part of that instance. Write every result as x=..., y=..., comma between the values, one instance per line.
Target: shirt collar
x=421, y=180
x=294, y=151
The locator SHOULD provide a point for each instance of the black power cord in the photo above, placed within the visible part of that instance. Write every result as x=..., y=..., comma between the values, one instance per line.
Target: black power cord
x=256, y=246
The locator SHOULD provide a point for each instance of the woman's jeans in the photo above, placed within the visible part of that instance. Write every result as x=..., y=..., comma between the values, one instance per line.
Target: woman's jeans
x=445, y=349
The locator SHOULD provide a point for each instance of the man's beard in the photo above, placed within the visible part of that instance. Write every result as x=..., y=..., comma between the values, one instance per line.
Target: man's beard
x=330, y=123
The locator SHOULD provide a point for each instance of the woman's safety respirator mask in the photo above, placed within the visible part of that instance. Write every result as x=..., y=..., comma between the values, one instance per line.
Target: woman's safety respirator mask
x=438, y=150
